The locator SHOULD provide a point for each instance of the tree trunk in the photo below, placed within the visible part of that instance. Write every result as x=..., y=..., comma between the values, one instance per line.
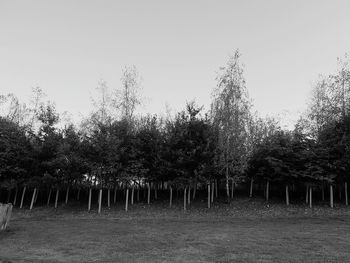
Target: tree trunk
x=216, y=189
x=185, y=199
x=78, y=194
x=310, y=197
x=49, y=197
x=171, y=196
x=155, y=192
x=109, y=197
x=115, y=195
x=56, y=200
x=148, y=194
x=189, y=195
x=23, y=193
x=67, y=195
x=267, y=190
x=227, y=184
x=212, y=192
x=194, y=191
x=251, y=187
x=36, y=196
x=232, y=187
x=33, y=198
x=15, y=198
x=89, y=202
x=287, y=195
x=209, y=195
x=100, y=201
x=331, y=195
x=346, y=193
x=126, y=199
x=138, y=194
x=132, y=195
x=307, y=195
x=8, y=196
x=322, y=191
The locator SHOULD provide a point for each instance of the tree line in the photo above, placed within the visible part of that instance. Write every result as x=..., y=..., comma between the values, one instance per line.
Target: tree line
x=116, y=153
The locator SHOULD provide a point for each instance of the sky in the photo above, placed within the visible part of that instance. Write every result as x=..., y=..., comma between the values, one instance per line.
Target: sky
x=67, y=47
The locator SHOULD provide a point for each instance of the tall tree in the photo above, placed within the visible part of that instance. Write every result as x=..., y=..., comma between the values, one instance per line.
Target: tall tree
x=15, y=153
x=230, y=111
x=128, y=97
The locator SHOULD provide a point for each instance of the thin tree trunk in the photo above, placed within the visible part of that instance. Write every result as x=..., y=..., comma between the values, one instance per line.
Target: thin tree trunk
x=22, y=198
x=331, y=195
x=340, y=188
x=227, y=183
x=33, y=198
x=56, y=200
x=67, y=195
x=322, y=191
x=171, y=197
x=155, y=192
x=132, y=195
x=209, y=195
x=109, y=197
x=232, y=187
x=126, y=199
x=346, y=193
x=148, y=194
x=49, y=197
x=100, y=201
x=216, y=189
x=15, y=198
x=185, y=199
x=267, y=190
x=194, y=191
x=212, y=192
x=78, y=194
x=115, y=195
x=287, y=195
x=89, y=202
x=8, y=196
x=251, y=187
x=307, y=195
x=310, y=197
x=138, y=194
x=189, y=195
x=36, y=196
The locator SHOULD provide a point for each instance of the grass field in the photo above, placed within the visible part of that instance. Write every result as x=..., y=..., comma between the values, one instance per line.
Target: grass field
x=243, y=231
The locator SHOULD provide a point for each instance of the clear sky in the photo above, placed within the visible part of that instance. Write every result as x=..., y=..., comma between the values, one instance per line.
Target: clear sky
x=66, y=47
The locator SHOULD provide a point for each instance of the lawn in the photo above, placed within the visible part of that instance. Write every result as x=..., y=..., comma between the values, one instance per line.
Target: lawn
x=243, y=231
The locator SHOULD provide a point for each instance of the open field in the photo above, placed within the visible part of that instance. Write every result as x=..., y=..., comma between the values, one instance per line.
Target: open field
x=243, y=231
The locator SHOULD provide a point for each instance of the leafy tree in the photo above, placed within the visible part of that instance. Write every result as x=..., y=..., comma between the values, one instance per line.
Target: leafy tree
x=15, y=154
x=46, y=145
x=230, y=112
x=190, y=147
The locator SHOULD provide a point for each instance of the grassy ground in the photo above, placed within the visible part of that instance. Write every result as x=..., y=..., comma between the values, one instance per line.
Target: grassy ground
x=243, y=231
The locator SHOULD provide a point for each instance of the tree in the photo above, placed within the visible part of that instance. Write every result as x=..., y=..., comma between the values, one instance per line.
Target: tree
x=128, y=98
x=189, y=150
x=330, y=99
x=15, y=154
x=46, y=145
x=230, y=112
